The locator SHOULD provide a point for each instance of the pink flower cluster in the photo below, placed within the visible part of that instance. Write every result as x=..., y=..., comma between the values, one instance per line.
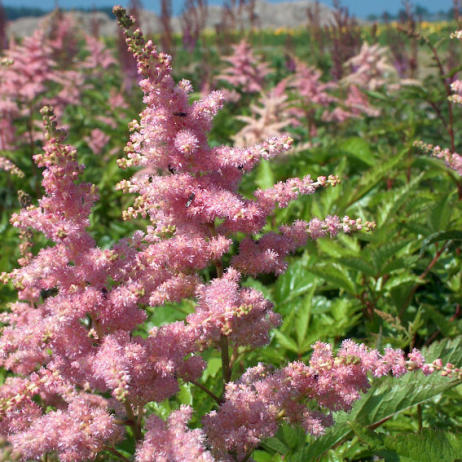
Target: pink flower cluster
x=269, y=117
x=245, y=71
x=260, y=400
x=43, y=70
x=452, y=159
x=317, y=94
x=173, y=441
x=8, y=166
x=370, y=68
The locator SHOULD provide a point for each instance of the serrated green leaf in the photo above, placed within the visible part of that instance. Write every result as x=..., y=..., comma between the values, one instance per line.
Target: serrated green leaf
x=439, y=216
x=359, y=264
x=358, y=148
x=294, y=282
x=369, y=180
x=401, y=279
x=385, y=252
x=276, y=445
x=293, y=436
x=285, y=341
x=439, y=236
x=399, y=263
x=393, y=203
x=335, y=274
x=428, y=446
x=303, y=316
x=332, y=248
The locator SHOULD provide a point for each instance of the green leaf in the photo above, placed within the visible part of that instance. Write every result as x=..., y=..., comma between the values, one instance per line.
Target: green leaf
x=262, y=456
x=303, y=316
x=286, y=342
x=332, y=248
x=454, y=235
x=359, y=264
x=276, y=445
x=213, y=367
x=385, y=252
x=358, y=148
x=293, y=436
x=401, y=279
x=428, y=446
x=393, y=203
x=439, y=217
x=376, y=174
x=377, y=95
x=185, y=395
x=294, y=282
x=335, y=274
x=265, y=176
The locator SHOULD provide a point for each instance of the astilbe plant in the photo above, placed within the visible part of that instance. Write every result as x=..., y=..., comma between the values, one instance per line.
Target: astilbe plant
x=355, y=105
x=245, y=72
x=314, y=93
x=452, y=159
x=23, y=75
x=81, y=375
x=35, y=73
x=338, y=103
x=370, y=68
x=270, y=116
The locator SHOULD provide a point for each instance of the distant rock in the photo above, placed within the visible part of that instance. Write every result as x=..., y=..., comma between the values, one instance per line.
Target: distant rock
x=268, y=16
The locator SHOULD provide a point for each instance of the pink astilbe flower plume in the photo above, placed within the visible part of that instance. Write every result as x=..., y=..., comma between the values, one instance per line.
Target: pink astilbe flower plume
x=370, y=68
x=245, y=72
x=270, y=117
x=314, y=93
x=99, y=56
x=242, y=315
x=452, y=159
x=307, y=82
x=355, y=105
x=8, y=166
x=45, y=70
x=173, y=441
x=317, y=94
x=305, y=394
x=97, y=140
x=81, y=425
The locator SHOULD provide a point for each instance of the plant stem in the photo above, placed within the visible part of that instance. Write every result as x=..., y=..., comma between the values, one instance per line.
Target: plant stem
x=419, y=417
x=117, y=453
x=247, y=457
x=225, y=359
x=219, y=268
x=132, y=421
x=206, y=390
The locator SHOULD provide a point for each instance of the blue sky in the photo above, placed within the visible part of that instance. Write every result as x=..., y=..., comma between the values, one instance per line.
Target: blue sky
x=360, y=8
